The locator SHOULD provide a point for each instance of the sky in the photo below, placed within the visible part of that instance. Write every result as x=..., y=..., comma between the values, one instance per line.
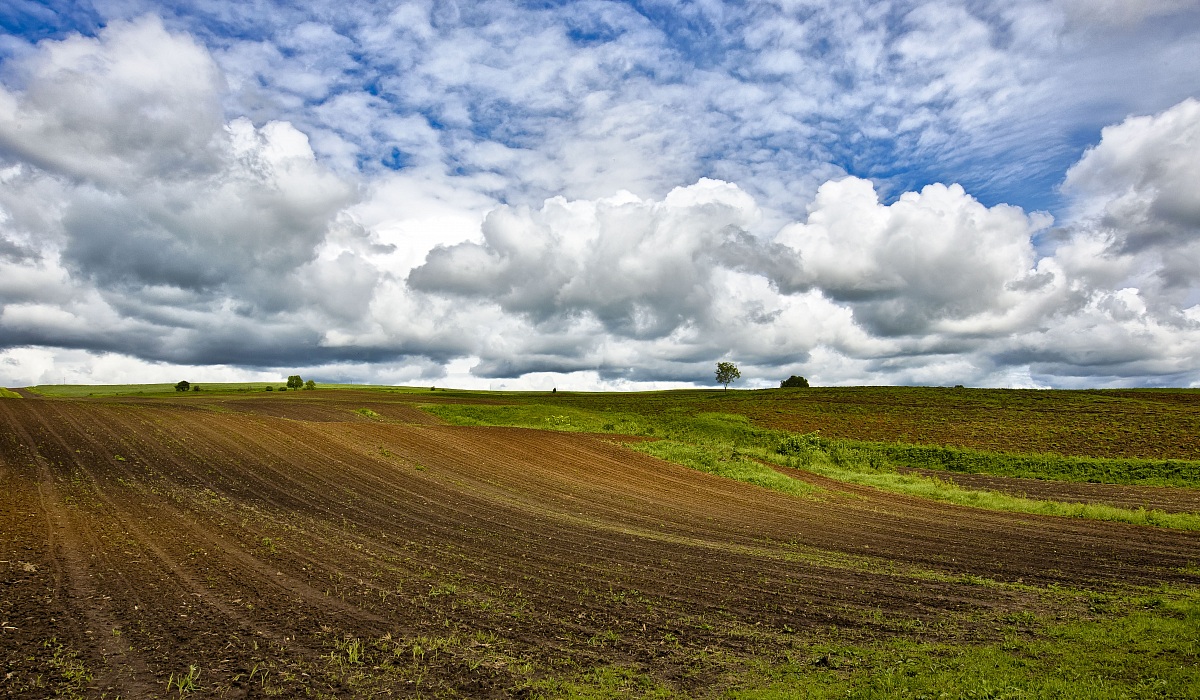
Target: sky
x=601, y=195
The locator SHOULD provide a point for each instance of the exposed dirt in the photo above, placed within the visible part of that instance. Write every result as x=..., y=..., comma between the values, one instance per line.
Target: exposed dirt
x=1171, y=500
x=262, y=540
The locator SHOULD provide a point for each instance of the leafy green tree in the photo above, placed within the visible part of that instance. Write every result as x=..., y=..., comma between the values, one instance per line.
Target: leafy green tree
x=183, y=386
x=295, y=382
x=310, y=385
x=727, y=373
x=794, y=382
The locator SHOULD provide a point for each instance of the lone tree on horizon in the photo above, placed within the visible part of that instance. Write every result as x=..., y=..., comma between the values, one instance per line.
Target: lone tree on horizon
x=727, y=373
x=295, y=382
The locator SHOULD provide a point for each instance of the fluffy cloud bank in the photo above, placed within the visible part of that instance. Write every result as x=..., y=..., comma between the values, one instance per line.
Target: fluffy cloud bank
x=135, y=220
x=145, y=231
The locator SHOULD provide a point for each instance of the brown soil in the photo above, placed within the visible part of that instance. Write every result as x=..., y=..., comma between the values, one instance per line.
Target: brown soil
x=260, y=541
x=1171, y=500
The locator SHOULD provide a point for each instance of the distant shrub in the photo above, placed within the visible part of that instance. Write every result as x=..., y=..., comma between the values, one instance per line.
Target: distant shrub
x=794, y=382
x=183, y=386
x=270, y=388
x=310, y=385
x=195, y=387
x=283, y=388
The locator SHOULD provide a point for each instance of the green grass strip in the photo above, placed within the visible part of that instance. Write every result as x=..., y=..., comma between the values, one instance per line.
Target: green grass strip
x=938, y=490
x=6, y=394
x=727, y=463
x=1143, y=472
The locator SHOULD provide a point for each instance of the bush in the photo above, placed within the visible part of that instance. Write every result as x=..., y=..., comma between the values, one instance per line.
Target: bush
x=802, y=448
x=270, y=388
x=310, y=385
x=794, y=382
x=183, y=386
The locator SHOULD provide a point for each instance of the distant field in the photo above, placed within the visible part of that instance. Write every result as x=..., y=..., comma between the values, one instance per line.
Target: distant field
x=351, y=543
x=86, y=390
x=1146, y=423
x=1143, y=423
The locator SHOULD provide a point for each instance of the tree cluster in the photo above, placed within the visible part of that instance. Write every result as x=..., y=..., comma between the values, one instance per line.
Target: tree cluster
x=295, y=382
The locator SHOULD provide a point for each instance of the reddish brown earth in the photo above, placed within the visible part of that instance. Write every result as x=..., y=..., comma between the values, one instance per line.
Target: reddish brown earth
x=261, y=541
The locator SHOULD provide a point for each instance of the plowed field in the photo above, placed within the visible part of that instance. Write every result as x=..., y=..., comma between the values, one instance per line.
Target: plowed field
x=283, y=546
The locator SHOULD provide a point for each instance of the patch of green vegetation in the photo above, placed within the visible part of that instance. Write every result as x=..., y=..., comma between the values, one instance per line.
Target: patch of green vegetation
x=1145, y=472
x=1147, y=650
x=368, y=413
x=1142, y=654
x=605, y=682
x=726, y=462
x=185, y=682
x=73, y=674
x=7, y=394
x=535, y=416
x=868, y=469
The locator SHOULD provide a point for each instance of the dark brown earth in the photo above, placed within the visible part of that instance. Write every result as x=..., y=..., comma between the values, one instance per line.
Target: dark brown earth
x=292, y=546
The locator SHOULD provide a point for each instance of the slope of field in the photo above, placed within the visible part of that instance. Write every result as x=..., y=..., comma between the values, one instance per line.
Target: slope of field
x=1149, y=423
x=345, y=545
